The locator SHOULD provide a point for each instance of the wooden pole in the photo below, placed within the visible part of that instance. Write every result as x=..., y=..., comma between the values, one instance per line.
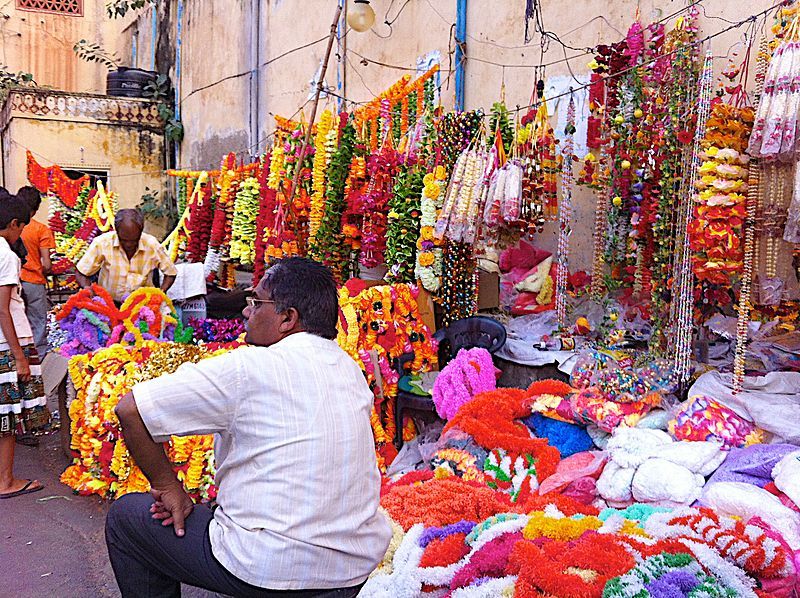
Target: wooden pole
x=320, y=83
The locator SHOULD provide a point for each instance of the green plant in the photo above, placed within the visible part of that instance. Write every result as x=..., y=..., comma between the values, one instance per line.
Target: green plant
x=9, y=80
x=159, y=209
x=160, y=91
x=119, y=8
x=94, y=52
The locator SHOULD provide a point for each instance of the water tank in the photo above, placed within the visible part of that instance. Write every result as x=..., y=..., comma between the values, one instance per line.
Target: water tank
x=129, y=82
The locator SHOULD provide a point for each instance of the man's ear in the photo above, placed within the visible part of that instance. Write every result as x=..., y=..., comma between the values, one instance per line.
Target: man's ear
x=290, y=320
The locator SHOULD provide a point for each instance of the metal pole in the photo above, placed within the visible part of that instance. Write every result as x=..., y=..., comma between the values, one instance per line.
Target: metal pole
x=320, y=83
x=461, y=44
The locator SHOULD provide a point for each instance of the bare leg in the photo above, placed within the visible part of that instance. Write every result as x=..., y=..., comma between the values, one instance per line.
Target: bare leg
x=8, y=483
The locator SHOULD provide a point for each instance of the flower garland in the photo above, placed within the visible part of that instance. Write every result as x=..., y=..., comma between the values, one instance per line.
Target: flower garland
x=323, y=151
x=102, y=464
x=403, y=229
x=327, y=246
x=201, y=215
x=53, y=180
x=428, y=267
x=216, y=331
x=245, y=212
x=377, y=325
x=374, y=205
x=716, y=232
x=469, y=373
x=220, y=227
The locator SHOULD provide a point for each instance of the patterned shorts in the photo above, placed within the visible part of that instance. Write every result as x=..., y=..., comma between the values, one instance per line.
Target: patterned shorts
x=23, y=405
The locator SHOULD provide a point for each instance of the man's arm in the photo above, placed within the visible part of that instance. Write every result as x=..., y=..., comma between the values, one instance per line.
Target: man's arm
x=89, y=264
x=172, y=505
x=167, y=282
x=82, y=280
x=44, y=256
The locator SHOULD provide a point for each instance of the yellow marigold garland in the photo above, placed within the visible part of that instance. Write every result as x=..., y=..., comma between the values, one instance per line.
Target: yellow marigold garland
x=325, y=125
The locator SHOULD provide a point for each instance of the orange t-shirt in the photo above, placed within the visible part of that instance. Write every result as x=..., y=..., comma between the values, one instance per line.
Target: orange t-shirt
x=35, y=236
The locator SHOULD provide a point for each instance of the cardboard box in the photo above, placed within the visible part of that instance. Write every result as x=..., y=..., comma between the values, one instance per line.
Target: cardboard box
x=488, y=290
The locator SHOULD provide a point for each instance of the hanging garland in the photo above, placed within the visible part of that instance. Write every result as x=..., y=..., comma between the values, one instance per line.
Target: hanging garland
x=245, y=211
x=328, y=247
x=403, y=230
x=428, y=267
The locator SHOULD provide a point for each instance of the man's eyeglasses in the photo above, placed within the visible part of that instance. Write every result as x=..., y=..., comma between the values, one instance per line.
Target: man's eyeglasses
x=253, y=302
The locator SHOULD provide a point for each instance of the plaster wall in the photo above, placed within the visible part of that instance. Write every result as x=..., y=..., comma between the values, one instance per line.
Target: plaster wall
x=132, y=157
x=41, y=43
x=243, y=58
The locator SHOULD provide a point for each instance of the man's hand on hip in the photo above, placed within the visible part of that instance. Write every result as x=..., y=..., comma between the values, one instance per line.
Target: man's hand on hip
x=172, y=506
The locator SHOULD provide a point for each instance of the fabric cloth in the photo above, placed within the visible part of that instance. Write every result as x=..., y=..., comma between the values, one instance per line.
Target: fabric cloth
x=771, y=402
x=150, y=560
x=9, y=276
x=23, y=405
x=36, y=307
x=119, y=275
x=35, y=236
x=298, y=484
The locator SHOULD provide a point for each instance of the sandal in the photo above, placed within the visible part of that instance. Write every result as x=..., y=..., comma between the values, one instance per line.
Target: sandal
x=28, y=439
x=26, y=489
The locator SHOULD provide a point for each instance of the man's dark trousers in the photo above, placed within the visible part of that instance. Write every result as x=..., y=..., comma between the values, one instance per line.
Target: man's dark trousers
x=150, y=561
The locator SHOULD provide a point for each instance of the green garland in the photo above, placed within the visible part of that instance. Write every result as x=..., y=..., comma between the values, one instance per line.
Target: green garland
x=499, y=118
x=403, y=230
x=328, y=247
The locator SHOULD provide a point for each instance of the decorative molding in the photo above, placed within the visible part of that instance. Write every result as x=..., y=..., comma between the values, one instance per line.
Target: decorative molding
x=46, y=104
x=72, y=8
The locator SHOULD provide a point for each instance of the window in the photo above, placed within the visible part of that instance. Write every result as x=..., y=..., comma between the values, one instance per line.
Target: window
x=62, y=7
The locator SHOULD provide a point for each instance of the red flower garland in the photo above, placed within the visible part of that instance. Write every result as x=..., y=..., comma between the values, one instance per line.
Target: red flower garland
x=554, y=569
x=201, y=214
x=490, y=418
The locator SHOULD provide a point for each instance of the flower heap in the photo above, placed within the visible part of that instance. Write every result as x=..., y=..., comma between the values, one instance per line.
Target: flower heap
x=102, y=464
x=461, y=536
x=428, y=268
x=92, y=321
x=376, y=326
x=716, y=231
x=216, y=331
x=245, y=211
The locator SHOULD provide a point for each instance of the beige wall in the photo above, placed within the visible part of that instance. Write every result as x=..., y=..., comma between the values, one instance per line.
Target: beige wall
x=41, y=43
x=133, y=157
x=220, y=42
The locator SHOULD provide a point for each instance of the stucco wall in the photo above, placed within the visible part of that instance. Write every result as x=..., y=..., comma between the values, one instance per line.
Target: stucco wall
x=41, y=43
x=221, y=45
x=133, y=157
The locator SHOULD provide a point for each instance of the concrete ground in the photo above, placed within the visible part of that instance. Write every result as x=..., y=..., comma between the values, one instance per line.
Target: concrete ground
x=51, y=542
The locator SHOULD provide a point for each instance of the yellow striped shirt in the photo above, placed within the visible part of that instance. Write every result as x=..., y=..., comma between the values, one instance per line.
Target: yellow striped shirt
x=119, y=275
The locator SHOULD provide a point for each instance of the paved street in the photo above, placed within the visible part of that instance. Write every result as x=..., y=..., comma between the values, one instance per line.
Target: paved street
x=51, y=542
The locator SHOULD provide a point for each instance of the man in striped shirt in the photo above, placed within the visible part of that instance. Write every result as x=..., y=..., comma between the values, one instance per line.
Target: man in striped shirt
x=298, y=484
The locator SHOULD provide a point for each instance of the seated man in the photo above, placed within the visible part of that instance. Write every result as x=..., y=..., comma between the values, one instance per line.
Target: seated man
x=298, y=484
x=125, y=258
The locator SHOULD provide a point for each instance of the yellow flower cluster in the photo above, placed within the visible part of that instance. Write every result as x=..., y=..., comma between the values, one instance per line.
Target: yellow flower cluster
x=325, y=125
x=245, y=211
x=71, y=248
x=276, y=165
x=564, y=529
x=103, y=465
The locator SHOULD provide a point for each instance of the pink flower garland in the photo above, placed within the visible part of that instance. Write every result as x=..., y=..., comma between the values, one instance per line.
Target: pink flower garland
x=471, y=372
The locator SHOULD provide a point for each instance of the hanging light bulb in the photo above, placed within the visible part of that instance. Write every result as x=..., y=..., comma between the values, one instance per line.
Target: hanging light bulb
x=360, y=16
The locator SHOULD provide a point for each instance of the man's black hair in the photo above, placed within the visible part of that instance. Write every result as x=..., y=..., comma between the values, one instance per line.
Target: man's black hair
x=308, y=287
x=13, y=208
x=31, y=196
